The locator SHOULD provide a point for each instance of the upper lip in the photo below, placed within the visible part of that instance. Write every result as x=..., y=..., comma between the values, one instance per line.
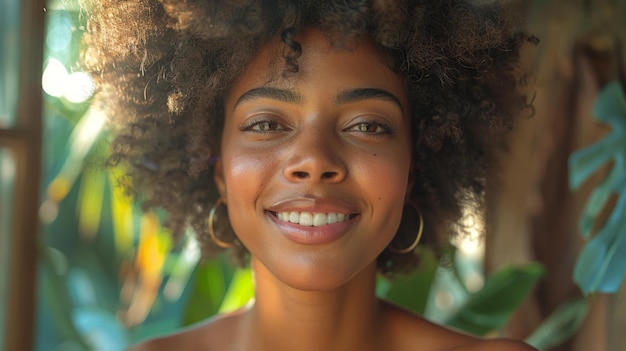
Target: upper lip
x=313, y=204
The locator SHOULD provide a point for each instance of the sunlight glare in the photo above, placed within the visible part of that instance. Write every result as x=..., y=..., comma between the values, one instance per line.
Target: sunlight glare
x=79, y=87
x=471, y=246
x=76, y=87
x=86, y=132
x=54, y=78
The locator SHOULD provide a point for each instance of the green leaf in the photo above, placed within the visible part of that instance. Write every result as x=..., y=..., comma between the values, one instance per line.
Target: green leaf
x=411, y=291
x=561, y=325
x=53, y=268
x=491, y=307
x=207, y=293
x=240, y=291
x=90, y=200
x=602, y=262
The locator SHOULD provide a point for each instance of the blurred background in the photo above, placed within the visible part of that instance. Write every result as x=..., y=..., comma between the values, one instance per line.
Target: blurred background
x=82, y=268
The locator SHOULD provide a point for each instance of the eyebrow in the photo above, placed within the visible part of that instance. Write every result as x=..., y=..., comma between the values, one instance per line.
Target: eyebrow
x=344, y=97
x=355, y=95
x=270, y=93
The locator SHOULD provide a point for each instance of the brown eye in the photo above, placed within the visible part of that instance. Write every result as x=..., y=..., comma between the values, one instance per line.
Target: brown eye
x=370, y=128
x=263, y=126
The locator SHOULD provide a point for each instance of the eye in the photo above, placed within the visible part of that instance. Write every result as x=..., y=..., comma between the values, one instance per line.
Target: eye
x=370, y=127
x=263, y=126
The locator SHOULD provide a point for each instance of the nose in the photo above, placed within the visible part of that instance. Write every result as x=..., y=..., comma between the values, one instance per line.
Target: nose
x=315, y=157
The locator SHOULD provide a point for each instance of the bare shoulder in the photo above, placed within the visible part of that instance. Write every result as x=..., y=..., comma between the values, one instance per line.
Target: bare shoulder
x=213, y=334
x=162, y=343
x=411, y=330
x=498, y=345
x=184, y=340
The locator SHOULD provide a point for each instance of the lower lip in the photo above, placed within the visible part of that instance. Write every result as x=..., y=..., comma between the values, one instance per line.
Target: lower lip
x=313, y=235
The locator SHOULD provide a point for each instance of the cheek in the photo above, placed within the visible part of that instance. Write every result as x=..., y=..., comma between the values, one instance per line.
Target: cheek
x=246, y=175
x=387, y=175
x=383, y=180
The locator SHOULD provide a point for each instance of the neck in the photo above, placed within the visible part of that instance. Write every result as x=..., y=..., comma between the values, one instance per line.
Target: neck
x=345, y=318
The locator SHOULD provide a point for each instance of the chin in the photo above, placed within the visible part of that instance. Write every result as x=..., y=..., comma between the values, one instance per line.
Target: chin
x=314, y=282
x=312, y=275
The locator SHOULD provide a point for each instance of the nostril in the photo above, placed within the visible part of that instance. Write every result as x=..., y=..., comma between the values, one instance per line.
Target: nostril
x=329, y=175
x=300, y=175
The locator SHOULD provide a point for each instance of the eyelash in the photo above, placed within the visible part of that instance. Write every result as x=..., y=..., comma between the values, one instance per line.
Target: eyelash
x=386, y=129
x=251, y=125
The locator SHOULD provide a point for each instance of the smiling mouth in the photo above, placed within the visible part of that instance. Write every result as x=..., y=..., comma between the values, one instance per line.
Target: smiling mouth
x=312, y=219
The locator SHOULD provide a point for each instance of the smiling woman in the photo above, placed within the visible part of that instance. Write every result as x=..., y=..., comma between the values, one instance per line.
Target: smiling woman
x=315, y=146
x=333, y=133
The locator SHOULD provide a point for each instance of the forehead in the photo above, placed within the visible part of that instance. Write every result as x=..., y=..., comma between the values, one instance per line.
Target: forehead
x=322, y=67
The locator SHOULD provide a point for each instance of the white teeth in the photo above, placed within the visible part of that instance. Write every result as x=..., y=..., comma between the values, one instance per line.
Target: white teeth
x=319, y=219
x=306, y=218
x=294, y=217
x=312, y=218
x=332, y=218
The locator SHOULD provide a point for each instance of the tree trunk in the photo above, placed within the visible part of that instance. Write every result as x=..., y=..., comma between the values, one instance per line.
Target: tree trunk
x=533, y=215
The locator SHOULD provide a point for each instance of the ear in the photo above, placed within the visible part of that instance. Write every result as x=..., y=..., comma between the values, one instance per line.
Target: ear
x=218, y=177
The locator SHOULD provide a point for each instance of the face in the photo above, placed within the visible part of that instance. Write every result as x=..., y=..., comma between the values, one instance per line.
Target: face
x=314, y=167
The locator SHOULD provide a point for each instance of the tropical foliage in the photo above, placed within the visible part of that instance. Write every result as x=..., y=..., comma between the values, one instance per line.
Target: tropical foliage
x=602, y=262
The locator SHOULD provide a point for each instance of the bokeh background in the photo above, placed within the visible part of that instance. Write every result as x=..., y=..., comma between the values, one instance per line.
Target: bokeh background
x=83, y=268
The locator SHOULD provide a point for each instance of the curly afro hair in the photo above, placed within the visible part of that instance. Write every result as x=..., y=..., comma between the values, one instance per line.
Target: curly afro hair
x=162, y=68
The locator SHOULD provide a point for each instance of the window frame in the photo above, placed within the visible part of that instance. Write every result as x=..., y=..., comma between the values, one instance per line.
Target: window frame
x=23, y=140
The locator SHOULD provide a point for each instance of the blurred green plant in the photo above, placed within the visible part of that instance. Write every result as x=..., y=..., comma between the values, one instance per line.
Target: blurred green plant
x=560, y=325
x=489, y=309
x=601, y=264
x=411, y=290
x=109, y=274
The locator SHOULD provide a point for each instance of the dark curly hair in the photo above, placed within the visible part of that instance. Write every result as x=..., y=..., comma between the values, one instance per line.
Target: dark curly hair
x=162, y=68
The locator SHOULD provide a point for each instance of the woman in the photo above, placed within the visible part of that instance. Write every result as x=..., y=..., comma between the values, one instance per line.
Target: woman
x=333, y=134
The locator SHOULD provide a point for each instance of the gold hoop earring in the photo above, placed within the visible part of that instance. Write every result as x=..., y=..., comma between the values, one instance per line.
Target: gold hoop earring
x=211, y=222
x=420, y=231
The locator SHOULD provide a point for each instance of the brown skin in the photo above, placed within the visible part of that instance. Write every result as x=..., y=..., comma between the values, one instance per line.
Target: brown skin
x=315, y=159
x=318, y=153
